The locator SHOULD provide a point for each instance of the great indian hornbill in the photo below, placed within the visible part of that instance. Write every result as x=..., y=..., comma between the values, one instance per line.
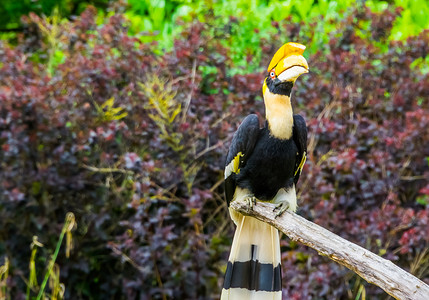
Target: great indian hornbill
x=264, y=164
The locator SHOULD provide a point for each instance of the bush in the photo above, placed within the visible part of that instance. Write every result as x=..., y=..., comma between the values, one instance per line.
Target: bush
x=11, y=11
x=133, y=143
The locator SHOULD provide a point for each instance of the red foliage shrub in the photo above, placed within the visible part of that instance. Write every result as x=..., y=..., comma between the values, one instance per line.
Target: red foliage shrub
x=146, y=189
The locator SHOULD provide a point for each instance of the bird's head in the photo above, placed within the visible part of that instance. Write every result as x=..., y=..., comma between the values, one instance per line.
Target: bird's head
x=285, y=67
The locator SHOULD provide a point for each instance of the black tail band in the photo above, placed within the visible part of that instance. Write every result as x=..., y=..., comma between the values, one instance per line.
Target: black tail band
x=253, y=275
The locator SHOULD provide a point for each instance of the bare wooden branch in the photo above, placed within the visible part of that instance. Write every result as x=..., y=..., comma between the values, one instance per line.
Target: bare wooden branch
x=371, y=267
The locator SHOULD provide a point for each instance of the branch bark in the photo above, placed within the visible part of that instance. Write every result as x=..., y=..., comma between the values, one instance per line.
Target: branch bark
x=371, y=267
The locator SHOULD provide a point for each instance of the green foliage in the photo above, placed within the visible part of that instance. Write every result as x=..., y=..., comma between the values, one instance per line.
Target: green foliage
x=163, y=110
x=12, y=10
x=4, y=274
x=50, y=28
x=413, y=17
x=423, y=200
x=32, y=278
x=154, y=19
x=52, y=274
x=159, y=20
x=161, y=99
x=108, y=113
x=52, y=271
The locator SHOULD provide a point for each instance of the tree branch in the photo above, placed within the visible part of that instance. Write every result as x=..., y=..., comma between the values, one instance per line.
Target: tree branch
x=371, y=267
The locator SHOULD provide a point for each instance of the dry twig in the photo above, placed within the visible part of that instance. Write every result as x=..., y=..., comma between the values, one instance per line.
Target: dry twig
x=371, y=267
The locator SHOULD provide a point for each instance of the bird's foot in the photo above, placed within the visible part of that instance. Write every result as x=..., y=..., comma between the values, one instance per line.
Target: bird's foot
x=281, y=208
x=250, y=201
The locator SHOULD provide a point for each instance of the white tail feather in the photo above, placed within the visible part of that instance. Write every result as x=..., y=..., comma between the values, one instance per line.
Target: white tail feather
x=253, y=270
x=250, y=232
x=245, y=294
x=255, y=241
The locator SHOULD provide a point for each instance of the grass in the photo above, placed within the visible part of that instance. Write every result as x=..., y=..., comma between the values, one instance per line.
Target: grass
x=52, y=274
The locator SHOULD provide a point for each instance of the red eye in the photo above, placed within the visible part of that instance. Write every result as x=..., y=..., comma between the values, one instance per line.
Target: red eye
x=272, y=75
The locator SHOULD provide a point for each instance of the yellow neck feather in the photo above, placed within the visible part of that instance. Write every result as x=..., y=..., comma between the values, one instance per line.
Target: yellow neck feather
x=279, y=114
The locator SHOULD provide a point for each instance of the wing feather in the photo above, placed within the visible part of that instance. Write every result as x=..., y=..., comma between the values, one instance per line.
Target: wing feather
x=241, y=148
x=300, y=138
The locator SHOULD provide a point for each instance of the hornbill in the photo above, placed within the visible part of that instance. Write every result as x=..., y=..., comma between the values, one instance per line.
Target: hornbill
x=264, y=164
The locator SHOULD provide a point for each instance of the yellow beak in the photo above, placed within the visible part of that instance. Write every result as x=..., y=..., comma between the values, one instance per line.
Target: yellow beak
x=291, y=67
x=288, y=62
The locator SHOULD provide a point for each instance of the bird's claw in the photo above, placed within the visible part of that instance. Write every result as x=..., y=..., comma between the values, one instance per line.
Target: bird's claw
x=282, y=207
x=250, y=201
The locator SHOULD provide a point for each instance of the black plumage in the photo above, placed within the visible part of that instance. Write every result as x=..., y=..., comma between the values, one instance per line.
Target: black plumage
x=278, y=87
x=267, y=163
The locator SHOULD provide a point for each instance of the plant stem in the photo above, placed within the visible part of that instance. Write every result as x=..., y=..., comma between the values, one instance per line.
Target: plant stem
x=66, y=227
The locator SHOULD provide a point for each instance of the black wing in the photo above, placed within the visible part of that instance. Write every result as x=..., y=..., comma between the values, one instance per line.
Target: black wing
x=300, y=139
x=242, y=145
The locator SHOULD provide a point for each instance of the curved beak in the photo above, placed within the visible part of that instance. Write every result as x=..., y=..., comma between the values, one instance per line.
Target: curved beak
x=291, y=67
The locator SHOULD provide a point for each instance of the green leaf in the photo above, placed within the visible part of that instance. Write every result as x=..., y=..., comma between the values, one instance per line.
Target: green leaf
x=423, y=200
x=108, y=104
x=175, y=113
x=36, y=187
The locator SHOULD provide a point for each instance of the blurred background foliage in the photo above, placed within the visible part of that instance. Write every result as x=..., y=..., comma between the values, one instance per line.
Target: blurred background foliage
x=121, y=112
x=162, y=20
